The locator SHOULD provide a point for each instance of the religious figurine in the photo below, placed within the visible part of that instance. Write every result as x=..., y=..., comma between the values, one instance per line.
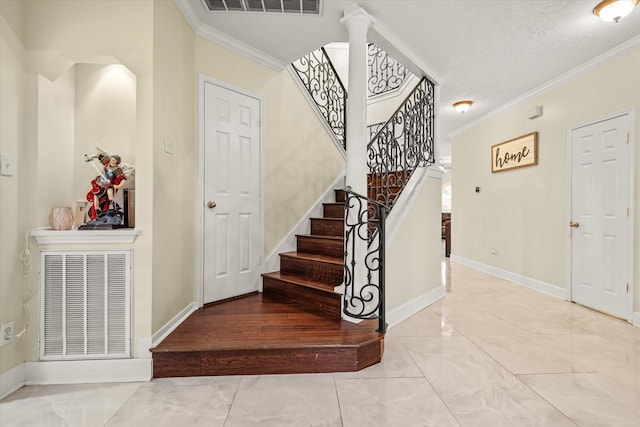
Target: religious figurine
x=112, y=176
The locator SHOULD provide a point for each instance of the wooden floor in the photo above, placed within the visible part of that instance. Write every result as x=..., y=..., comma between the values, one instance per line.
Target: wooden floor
x=259, y=334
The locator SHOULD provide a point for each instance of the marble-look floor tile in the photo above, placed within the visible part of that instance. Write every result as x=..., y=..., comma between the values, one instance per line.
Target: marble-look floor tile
x=179, y=402
x=285, y=400
x=388, y=402
x=396, y=363
x=478, y=391
x=591, y=400
x=481, y=324
x=422, y=324
x=65, y=405
x=527, y=353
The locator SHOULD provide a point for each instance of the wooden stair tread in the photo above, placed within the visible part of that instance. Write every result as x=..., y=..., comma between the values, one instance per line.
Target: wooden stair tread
x=321, y=236
x=299, y=281
x=314, y=257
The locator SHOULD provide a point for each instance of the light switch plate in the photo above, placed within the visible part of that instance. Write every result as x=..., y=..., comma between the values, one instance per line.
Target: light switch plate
x=7, y=166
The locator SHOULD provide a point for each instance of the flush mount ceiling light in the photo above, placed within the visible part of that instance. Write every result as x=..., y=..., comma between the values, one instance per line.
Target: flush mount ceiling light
x=462, y=106
x=614, y=10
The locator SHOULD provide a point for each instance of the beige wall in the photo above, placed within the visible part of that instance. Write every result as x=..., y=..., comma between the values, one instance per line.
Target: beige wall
x=523, y=213
x=13, y=210
x=414, y=255
x=301, y=161
x=175, y=177
x=57, y=35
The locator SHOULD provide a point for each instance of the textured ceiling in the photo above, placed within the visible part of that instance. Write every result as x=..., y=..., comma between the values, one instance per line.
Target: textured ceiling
x=489, y=51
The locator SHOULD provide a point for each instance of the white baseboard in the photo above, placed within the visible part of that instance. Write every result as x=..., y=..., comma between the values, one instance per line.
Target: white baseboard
x=636, y=318
x=172, y=324
x=88, y=371
x=11, y=380
x=288, y=244
x=413, y=306
x=519, y=279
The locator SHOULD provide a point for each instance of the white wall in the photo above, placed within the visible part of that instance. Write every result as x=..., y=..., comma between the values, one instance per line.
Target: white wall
x=522, y=213
x=105, y=114
x=414, y=254
x=13, y=210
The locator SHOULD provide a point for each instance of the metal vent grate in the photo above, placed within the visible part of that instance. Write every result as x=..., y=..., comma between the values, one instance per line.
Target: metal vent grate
x=85, y=305
x=276, y=6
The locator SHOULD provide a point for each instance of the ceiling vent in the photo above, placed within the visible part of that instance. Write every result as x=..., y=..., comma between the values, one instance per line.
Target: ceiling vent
x=277, y=6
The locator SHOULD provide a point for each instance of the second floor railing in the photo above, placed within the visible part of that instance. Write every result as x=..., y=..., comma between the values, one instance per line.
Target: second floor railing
x=404, y=143
x=323, y=84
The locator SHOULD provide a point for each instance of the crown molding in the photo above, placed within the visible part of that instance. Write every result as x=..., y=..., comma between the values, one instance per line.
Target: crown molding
x=560, y=80
x=226, y=40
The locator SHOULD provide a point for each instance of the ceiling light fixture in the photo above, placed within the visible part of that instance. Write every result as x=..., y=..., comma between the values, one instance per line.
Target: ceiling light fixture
x=462, y=106
x=614, y=10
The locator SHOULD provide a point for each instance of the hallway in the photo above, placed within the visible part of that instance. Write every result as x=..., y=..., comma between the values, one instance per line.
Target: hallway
x=490, y=353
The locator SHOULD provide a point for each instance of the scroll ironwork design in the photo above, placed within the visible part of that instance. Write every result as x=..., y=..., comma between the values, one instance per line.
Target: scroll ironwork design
x=318, y=75
x=404, y=143
x=385, y=73
x=364, y=297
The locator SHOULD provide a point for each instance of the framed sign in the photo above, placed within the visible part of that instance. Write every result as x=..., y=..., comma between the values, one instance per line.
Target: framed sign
x=516, y=153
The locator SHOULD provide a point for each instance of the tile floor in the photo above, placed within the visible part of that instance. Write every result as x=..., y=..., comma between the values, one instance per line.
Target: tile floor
x=489, y=354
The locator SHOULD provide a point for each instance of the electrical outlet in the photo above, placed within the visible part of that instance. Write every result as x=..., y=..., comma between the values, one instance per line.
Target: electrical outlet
x=6, y=333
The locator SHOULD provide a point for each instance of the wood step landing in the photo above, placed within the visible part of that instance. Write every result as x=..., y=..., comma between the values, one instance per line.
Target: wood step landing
x=258, y=335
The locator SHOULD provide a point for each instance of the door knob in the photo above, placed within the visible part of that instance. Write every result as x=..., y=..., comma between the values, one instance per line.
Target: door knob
x=574, y=224
x=211, y=204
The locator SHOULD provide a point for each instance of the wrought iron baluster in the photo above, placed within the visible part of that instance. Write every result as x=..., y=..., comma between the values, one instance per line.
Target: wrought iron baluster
x=318, y=75
x=385, y=73
x=404, y=143
x=365, y=299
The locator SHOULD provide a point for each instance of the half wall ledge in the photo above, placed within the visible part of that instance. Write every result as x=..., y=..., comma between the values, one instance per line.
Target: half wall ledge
x=48, y=236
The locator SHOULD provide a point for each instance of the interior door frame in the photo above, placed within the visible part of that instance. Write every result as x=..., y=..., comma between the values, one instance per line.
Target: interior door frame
x=630, y=112
x=202, y=80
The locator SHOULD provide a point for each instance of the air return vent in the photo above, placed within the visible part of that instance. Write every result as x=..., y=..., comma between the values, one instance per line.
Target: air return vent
x=85, y=311
x=277, y=6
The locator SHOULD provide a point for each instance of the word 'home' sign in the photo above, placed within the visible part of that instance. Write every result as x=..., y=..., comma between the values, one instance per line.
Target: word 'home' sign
x=515, y=153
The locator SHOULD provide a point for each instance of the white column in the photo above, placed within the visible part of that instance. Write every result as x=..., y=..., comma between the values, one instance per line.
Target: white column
x=357, y=21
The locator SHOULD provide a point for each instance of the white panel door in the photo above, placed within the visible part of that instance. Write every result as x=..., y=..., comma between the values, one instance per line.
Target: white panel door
x=231, y=260
x=600, y=217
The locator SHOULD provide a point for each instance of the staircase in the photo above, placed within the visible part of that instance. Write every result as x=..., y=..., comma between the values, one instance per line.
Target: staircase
x=307, y=277
x=294, y=326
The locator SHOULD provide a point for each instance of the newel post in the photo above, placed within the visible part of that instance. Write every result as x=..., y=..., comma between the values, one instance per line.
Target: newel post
x=357, y=21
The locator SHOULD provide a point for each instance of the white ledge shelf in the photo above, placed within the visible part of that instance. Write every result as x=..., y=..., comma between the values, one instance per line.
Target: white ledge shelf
x=47, y=236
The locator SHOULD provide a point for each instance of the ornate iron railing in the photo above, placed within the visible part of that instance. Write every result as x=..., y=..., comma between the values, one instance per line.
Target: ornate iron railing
x=385, y=73
x=364, y=275
x=318, y=75
x=403, y=144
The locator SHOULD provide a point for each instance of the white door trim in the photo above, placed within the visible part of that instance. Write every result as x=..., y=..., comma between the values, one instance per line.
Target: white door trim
x=630, y=112
x=202, y=80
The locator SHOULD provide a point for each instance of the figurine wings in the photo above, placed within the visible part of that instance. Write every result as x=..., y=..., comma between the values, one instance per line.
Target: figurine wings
x=127, y=169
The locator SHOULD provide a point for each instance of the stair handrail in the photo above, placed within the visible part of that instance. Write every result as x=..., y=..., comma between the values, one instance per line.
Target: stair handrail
x=404, y=143
x=319, y=76
x=368, y=301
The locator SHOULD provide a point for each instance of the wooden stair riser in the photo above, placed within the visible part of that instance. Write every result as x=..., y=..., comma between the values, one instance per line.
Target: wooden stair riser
x=327, y=226
x=333, y=210
x=329, y=273
x=320, y=245
x=312, y=359
x=340, y=196
x=325, y=303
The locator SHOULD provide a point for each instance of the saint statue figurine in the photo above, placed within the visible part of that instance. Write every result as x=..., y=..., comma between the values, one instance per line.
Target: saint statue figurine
x=112, y=176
